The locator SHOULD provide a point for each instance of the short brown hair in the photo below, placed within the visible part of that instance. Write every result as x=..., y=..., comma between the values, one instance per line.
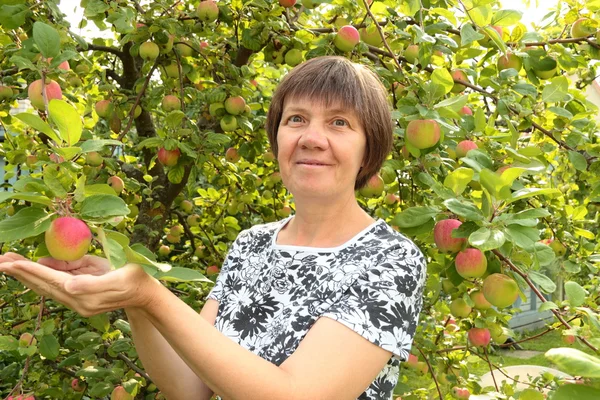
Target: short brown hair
x=336, y=80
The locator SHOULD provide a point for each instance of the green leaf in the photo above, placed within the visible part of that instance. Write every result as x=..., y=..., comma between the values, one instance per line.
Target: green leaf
x=68, y=153
x=458, y=180
x=506, y=17
x=442, y=77
x=31, y=197
x=494, y=184
x=176, y=174
x=13, y=16
x=67, y=119
x=56, y=181
x=39, y=124
x=179, y=274
x=100, y=322
x=136, y=257
x=415, y=216
x=543, y=254
x=557, y=90
x=469, y=211
x=546, y=284
x=103, y=206
x=575, y=362
x=47, y=39
x=28, y=222
x=548, y=305
x=487, y=239
x=531, y=192
x=22, y=63
x=578, y=160
x=584, y=233
x=525, y=89
x=8, y=343
x=49, y=347
x=531, y=213
x=468, y=35
x=454, y=103
x=522, y=236
x=579, y=392
x=576, y=295
x=98, y=145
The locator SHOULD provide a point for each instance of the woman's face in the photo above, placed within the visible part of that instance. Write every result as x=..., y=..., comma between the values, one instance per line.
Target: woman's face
x=320, y=150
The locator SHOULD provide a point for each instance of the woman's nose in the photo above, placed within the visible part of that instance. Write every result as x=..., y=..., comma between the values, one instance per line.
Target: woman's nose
x=313, y=137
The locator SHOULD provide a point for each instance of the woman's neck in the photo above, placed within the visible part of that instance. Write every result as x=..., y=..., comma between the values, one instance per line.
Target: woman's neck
x=324, y=225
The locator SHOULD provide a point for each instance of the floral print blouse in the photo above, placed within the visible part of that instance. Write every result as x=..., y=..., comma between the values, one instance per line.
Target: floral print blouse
x=270, y=295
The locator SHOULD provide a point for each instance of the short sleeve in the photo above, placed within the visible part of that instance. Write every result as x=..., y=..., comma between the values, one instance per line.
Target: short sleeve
x=384, y=303
x=231, y=259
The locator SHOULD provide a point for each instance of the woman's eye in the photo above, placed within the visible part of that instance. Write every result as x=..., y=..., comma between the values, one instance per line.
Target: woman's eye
x=340, y=122
x=295, y=118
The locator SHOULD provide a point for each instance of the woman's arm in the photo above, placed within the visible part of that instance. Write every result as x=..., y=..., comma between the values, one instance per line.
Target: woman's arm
x=168, y=371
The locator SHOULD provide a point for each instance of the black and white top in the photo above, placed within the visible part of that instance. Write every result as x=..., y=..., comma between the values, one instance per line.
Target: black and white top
x=270, y=295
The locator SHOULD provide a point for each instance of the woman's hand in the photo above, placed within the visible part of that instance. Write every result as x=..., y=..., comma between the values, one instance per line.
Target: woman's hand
x=87, y=286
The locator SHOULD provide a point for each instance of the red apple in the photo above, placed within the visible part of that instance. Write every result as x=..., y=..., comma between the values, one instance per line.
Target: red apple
x=569, y=339
x=287, y=3
x=346, y=38
x=374, y=187
x=471, y=263
x=235, y=105
x=466, y=110
x=116, y=183
x=77, y=386
x=423, y=133
x=479, y=337
x=164, y=250
x=461, y=393
x=232, y=155
x=168, y=158
x=509, y=61
x=463, y=148
x=500, y=290
x=68, y=239
x=27, y=339
x=53, y=91
x=119, y=393
x=442, y=235
x=171, y=103
x=460, y=75
x=104, y=108
x=212, y=270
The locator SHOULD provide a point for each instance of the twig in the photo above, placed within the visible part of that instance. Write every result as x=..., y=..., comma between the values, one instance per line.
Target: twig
x=437, y=386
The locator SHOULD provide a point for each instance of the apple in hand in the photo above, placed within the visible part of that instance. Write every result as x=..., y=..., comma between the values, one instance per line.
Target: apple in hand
x=68, y=239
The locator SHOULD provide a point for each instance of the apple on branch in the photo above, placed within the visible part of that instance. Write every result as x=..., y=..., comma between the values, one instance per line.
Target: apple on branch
x=423, y=133
x=346, y=38
x=442, y=235
x=168, y=158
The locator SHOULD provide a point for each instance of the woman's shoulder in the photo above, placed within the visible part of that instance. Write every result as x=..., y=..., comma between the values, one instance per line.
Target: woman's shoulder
x=389, y=237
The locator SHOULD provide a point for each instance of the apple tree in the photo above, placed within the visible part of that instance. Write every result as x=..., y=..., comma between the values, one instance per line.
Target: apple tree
x=154, y=138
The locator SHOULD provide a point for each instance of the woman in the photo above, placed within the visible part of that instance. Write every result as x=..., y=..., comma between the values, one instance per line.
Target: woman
x=321, y=305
